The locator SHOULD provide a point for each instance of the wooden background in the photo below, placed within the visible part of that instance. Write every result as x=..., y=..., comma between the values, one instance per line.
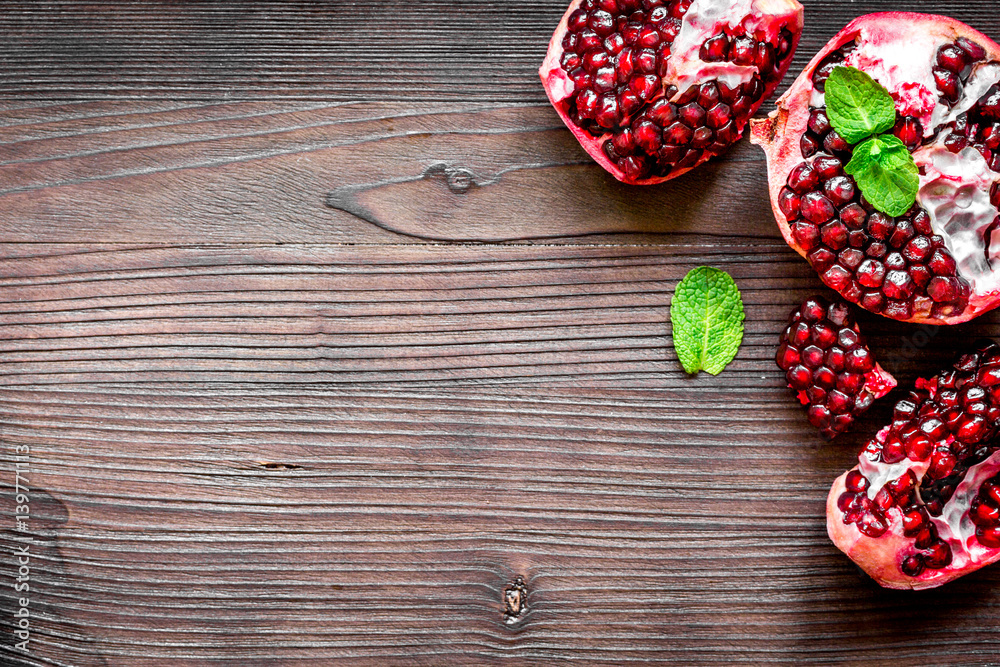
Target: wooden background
x=322, y=330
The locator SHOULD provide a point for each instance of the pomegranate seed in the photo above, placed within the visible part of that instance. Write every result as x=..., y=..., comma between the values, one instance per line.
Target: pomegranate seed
x=827, y=166
x=816, y=207
x=714, y=49
x=833, y=234
x=984, y=515
x=912, y=565
x=819, y=124
x=989, y=537
x=913, y=521
x=947, y=82
x=803, y=178
x=872, y=525
x=973, y=50
x=839, y=189
x=856, y=482
x=938, y=555
x=871, y=273
x=952, y=58
x=910, y=132
x=808, y=145
x=898, y=285
x=834, y=143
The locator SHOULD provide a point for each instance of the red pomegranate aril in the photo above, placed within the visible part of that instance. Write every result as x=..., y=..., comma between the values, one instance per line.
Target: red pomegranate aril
x=839, y=190
x=853, y=216
x=909, y=131
x=913, y=521
x=912, y=565
x=803, y=178
x=948, y=83
x=870, y=273
x=856, y=482
x=984, y=515
x=814, y=351
x=872, y=525
x=989, y=537
x=715, y=49
x=816, y=208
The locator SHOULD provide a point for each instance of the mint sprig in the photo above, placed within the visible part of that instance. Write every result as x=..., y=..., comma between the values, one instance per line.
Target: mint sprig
x=707, y=319
x=857, y=106
x=888, y=172
x=861, y=110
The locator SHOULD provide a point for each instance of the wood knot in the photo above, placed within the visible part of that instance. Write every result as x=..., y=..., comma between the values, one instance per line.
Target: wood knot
x=515, y=600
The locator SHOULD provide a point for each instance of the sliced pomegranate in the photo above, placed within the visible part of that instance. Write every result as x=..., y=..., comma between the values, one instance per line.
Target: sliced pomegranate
x=922, y=506
x=935, y=262
x=652, y=88
x=826, y=360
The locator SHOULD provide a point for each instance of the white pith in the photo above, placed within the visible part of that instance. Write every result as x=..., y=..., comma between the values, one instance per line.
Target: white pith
x=954, y=525
x=879, y=473
x=705, y=19
x=955, y=192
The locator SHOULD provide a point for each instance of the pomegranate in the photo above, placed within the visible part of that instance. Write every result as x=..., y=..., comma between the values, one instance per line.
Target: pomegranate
x=652, y=88
x=827, y=362
x=922, y=506
x=933, y=263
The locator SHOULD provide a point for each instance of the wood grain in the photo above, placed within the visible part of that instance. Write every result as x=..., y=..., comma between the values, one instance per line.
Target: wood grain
x=352, y=173
x=460, y=50
x=397, y=517
x=259, y=450
x=322, y=331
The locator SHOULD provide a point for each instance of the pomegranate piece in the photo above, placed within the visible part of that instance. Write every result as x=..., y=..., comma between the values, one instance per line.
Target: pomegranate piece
x=922, y=507
x=828, y=364
x=653, y=88
x=935, y=262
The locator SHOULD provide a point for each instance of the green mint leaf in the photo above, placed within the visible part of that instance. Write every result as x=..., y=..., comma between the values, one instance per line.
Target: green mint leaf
x=886, y=173
x=857, y=105
x=707, y=319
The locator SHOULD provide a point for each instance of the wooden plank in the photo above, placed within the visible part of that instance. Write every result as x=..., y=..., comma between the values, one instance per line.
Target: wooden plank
x=395, y=314
x=190, y=523
x=432, y=50
x=354, y=173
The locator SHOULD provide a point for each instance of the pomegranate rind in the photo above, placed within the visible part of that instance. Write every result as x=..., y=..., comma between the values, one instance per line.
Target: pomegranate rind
x=881, y=557
x=879, y=382
x=775, y=14
x=778, y=133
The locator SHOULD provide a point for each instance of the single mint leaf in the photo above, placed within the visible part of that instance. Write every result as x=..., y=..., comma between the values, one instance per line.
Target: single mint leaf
x=707, y=319
x=886, y=173
x=857, y=105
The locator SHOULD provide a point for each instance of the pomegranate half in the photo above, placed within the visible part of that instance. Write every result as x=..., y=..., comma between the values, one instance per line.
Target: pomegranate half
x=922, y=507
x=653, y=88
x=934, y=263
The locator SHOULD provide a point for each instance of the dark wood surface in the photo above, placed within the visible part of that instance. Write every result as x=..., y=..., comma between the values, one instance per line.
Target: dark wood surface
x=323, y=331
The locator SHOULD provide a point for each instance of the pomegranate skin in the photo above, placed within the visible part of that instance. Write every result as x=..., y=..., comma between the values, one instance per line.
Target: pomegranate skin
x=770, y=17
x=881, y=558
x=922, y=507
x=789, y=138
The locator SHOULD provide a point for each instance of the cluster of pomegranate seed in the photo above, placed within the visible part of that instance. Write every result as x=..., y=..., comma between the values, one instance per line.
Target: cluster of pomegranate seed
x=952, y=422
x=984, y=511
x=895, y=266
x=669, y=135
x=826, y=361
x=616, y=54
